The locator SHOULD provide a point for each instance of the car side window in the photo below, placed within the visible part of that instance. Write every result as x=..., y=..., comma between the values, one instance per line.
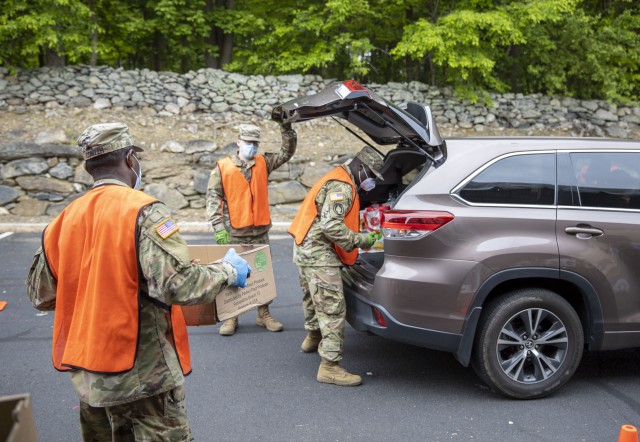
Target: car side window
x=608, y=179
x=527, y=179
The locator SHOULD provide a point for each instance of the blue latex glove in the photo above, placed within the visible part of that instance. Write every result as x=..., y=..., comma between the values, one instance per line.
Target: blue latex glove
x=240, y=264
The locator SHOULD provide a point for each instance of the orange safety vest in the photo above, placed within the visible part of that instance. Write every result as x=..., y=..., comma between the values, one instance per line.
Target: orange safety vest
x=247, y=201
x=309, y=212
x=92, y=251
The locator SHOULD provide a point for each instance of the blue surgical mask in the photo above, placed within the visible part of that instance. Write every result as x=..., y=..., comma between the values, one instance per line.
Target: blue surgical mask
x=138, y=174
x=248, y=150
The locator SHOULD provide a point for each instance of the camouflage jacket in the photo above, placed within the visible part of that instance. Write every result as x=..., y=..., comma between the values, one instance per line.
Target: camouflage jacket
x=170, y=278
x=328, y=228
x=216, y=200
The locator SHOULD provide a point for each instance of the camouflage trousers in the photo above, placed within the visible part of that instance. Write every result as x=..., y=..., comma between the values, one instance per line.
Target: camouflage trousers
x=162, y=417
x=259, y=239
x=324, y=308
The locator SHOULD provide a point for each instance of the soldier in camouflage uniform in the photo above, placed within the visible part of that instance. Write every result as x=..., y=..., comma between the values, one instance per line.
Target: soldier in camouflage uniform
x=316, y=253
x=220, y=201
x=147, y=401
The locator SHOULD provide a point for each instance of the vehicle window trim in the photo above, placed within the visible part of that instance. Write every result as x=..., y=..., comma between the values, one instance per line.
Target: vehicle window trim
x=599, y=209
x=455, y=191
x=568, y=153
x=566, y=176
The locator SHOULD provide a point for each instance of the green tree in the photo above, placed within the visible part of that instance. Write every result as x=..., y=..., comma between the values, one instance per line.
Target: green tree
x=43, y=32
x=464, y=46
x=220, y=41
x=302, y=37
x=184, y=26
x=580, y=48
x=590, y=54
x=120, y=34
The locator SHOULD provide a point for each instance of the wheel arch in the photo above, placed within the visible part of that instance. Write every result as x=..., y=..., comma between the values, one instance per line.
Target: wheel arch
x=572, y=287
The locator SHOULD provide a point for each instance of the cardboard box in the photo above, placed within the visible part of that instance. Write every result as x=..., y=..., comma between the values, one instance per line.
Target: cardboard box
x=16, y=419
x=233, y=301
x=201, y=314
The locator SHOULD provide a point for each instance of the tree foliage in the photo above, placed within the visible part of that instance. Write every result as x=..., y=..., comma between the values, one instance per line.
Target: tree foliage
x=580, y=48
x=32, y=32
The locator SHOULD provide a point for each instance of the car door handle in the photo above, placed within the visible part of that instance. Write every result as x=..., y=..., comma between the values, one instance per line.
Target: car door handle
x=584, y=232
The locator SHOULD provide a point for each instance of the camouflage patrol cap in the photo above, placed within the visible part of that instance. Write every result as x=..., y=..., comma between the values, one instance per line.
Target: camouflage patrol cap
x=100, y=139
x=249, y=132
x=372, y=158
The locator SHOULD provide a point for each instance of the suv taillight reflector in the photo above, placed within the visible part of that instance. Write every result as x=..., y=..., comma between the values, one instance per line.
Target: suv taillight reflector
x=412, y=223
x=379, y=318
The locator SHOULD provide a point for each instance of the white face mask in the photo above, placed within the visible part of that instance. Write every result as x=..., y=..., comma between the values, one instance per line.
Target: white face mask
x=369, y=183
x=248, y=150
x=138, y=184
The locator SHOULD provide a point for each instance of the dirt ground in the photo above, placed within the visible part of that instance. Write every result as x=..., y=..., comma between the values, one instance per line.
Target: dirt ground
x=317, y=139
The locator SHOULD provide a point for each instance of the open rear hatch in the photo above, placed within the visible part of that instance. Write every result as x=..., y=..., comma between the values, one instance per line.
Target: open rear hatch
x=409, y=127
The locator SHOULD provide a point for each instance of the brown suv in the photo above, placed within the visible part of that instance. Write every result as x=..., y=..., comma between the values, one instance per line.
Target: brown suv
x=511, y=253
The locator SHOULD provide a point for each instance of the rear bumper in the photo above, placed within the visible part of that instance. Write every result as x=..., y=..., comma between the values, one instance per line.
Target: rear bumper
x=360, y=316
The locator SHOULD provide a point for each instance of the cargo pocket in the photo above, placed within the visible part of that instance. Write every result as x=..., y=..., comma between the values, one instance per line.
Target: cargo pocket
x=164, y=419
x=326, y=291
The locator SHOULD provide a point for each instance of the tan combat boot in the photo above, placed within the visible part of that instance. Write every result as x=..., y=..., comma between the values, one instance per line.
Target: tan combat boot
x=311, y=341
x=331, y=373
x=229, y=327
x=264, y=319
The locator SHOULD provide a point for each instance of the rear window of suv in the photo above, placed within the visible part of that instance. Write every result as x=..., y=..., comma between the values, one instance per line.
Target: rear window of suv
x=525, y=179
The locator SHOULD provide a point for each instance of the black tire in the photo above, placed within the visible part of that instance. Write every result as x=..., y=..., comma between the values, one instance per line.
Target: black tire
x=521, y=365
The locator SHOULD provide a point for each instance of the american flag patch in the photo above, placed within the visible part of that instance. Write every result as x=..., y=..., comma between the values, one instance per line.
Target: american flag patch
x=167, y=228
x=336, y=196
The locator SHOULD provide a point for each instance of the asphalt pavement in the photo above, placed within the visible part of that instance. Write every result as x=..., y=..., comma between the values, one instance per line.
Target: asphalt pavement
x=259, y=386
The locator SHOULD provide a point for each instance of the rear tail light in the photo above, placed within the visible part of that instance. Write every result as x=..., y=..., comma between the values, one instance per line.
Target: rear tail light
x=379, y=318
x=412, y=223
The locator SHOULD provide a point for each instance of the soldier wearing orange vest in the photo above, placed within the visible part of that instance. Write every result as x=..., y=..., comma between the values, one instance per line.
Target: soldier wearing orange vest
x=326, y=235
x=238, y=201
x=115, y=270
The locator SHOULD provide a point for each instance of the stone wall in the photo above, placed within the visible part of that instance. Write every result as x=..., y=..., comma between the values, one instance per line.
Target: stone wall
x=216, y=91
x=43, y=177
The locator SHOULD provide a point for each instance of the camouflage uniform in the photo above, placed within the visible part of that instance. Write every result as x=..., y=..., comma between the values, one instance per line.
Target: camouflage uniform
x=263, y=238
x=216, y=200
x=156, y=378
x=158, y=418
x=319, y=266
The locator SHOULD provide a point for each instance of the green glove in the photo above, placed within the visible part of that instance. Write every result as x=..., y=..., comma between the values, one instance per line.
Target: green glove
x=222, y=237
x=371, y=239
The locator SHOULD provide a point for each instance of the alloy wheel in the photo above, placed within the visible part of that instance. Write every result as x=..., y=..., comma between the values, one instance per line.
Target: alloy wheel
x=532, y=345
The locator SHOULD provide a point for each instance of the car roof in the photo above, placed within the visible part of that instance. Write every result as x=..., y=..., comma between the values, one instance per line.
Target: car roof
x=541, y=142
x=488, y=147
